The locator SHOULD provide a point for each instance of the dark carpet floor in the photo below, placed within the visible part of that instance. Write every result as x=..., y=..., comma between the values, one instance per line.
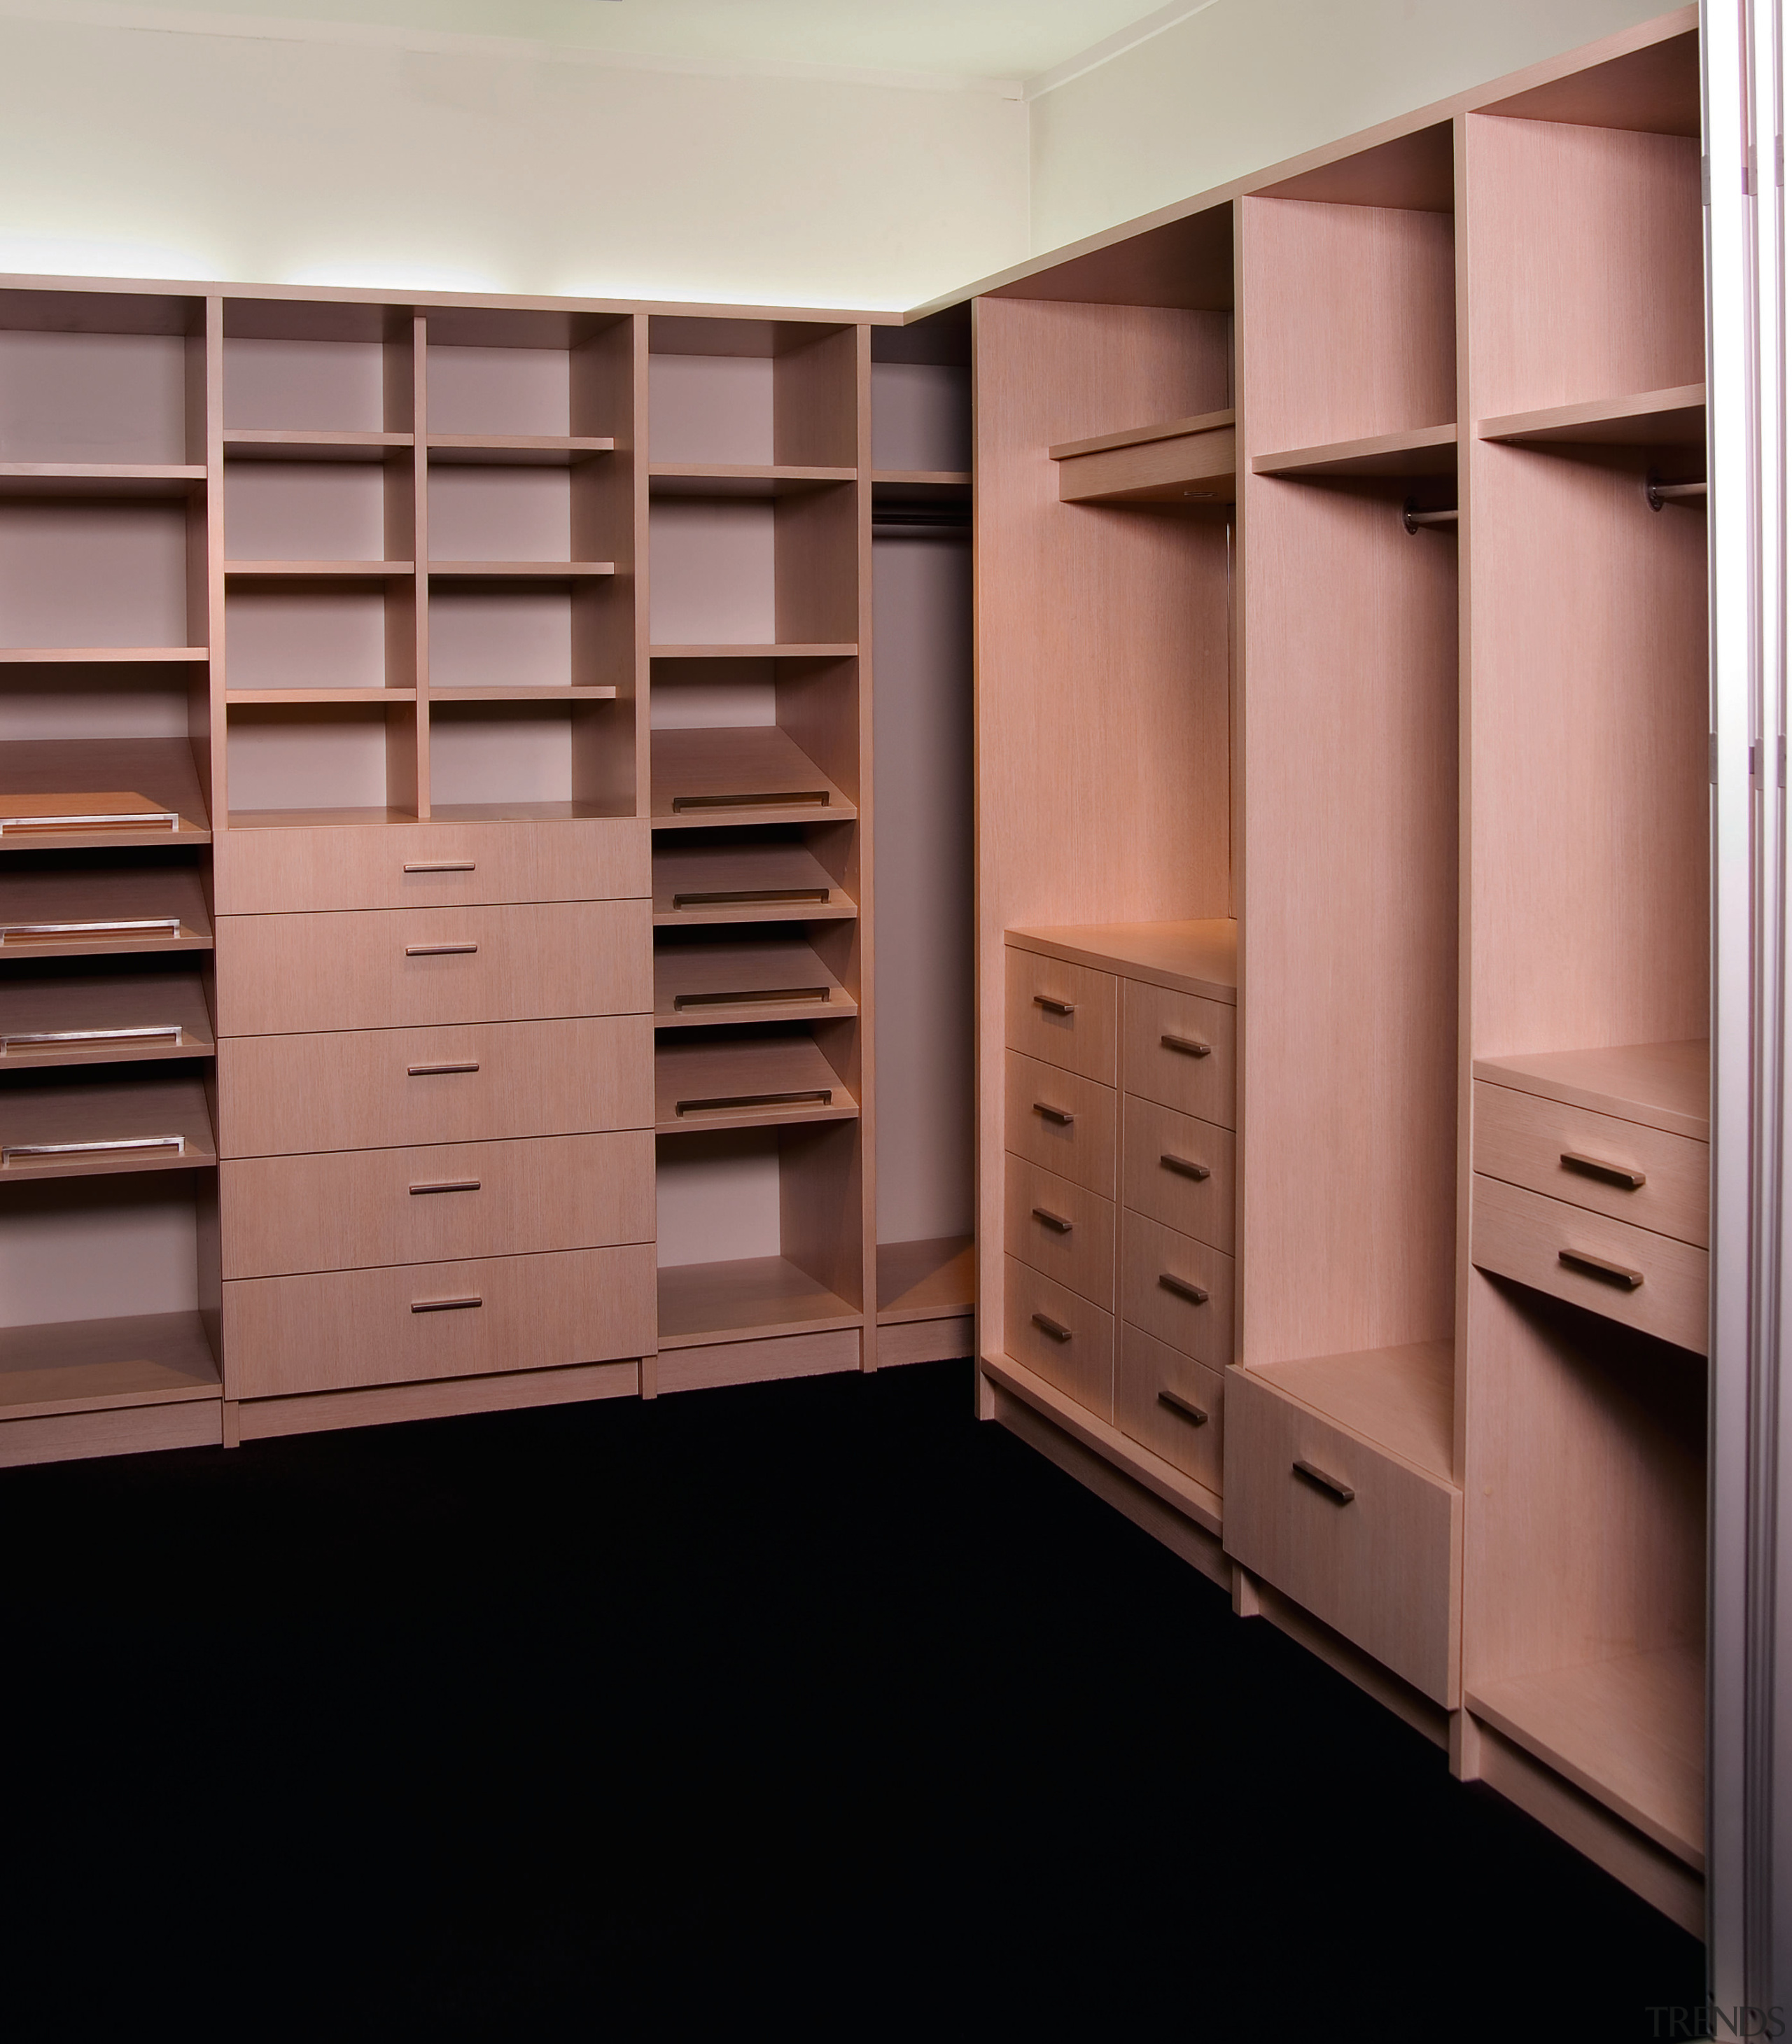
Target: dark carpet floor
x=815, y=1708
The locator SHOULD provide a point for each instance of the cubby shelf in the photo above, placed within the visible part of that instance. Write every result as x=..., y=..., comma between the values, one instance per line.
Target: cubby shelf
x=1425, y=451
x=520, y=571
x=778, y=1080
x=744, y=479
x=105, y=1365
x=66, y=914
x=256, y=444
x=750, y=1299
x=81, y=479
x=514, y=450
x=265, y=698
x=145, y=1112
x=100, y=776
x=921, y=1281
x=778, y=652
x=1652, y=418
x=699, y=884
x=771, y=980
x=36, y=1013
x=725, y=774
x=291, y=571
x=500, y=692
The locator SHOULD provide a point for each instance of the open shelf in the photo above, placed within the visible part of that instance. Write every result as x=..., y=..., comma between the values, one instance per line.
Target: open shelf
x=1666, y=1085
x=740, y=479
x=520, y=571
x=781, y=652
x=99, y=1111
x=87, y=1004
x=104, y=1365
x=1629, y=1731
x=695, y=1081
x=801, y=889
x=516, y=450
x=502, y=692
x=953, y=479
x=1403, y=1399
x=705, y=771
x=291, y=571
x=749, y=1300
x=1427, y=451
x=52, y=778
x=265, y=698
x=257, y=444
x=924, y=1281
x=131, y=656
x=1187, y=462
x=349, y=816
x=87, y=478
x=771, y=979
x=1650, y=419
x=167, y=903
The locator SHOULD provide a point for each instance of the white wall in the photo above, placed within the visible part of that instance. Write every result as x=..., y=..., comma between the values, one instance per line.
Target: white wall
x=146, y=153
x=1246, y=84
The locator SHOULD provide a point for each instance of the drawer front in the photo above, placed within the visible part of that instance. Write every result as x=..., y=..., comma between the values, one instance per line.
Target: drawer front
x=1065, y=1015
x=1195, y=1071
x=1064, y=1122
x=338, y=1329
x=422, y=865
x=1179, y=1171
x=350, y=1210
x=1528, y=1141
x=391, y=969
x=1079, y=1254
x=380, y=1088
x=1522, y=1235
x=1150, y=1254
x=1170, y=1403
x=1381, y=1568
x=1077, y=1358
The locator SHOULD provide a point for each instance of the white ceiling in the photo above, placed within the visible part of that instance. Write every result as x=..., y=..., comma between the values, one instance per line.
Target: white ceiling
x=1011, y=39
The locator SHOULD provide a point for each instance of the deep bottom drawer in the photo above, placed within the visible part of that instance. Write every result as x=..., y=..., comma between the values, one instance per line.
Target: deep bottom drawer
x=1061, y=1337
x=415, y=1320
x=1170, y=1403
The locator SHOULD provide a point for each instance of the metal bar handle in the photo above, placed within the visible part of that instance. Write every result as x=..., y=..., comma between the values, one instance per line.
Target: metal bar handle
x=747, y=997
x=169, y=1031
x=447, y=1065
x=1327, y=1486
x=1197, y=1295
x=437, y=951
x=1055, y=1222
x=137, y=926
x=813, y=1097
x=93, y=1149
x=129, y=819
x=1189, y=1046
x=1617, y=1274
x=718, y=897
x=1054, y=1007
x=446, y=1305
x=1190, y=1411
x=1620, y=1175
x=1061, y=1117
x=445, y=1186
x=1055, y=1328
x=1185, y=1167
x=440, y=865
x=766, y=798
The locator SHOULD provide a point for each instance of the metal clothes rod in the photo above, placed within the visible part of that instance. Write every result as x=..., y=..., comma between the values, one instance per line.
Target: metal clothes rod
x=1672, y=493
x=1416, y=520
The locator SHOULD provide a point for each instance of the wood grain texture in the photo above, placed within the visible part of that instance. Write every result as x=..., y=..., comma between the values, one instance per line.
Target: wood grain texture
x=948, y=1340
x=1205, y=1085
x=51, y=1004
x=100, y=1107
x=693, y=983
x=134, y=1430
x=1203, y=1207
x=1082, y=1255
x=1150, y=1253
x=1185, y=470
x=712, y=865
x=351, y=1089
x=1401, y=1399
x=694, y=1077
x=1663, y=1085
x=336, y=1330
x=755, y=1297
x=95, y=1365
x=1422, y=451
x=350, y=1210
x=1650, y=418
x=1203, y=422
x=750, y=760
x=923, y=1280
x=378, y=969
x=379, y=1405
x=1078, y=1361
x=1199, y=957
x=1143, y=1369
x=1383, y=1569
x=1086, y=1040
x=765, y=1361
x=1081, y=1148
x=149, y=772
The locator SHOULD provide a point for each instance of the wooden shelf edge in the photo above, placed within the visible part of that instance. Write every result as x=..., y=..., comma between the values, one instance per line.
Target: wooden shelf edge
x=757, y=652
x=1194, y=1500
x=1560, y=422
x=1375, y=455
x=756, y=1118
x=518, y=571
x=942, y=478
x=104, y=656
x=319, y=571
x=275, y=698
x=172, y=1344
x=1171, y=430
x=763, y=1330
x=524, y=693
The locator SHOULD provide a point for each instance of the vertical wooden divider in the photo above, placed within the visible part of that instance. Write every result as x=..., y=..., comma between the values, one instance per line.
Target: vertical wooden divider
x=407, y=394
x=204, y=560
x=639, y=453
x=868, y=904
x=1467, y=453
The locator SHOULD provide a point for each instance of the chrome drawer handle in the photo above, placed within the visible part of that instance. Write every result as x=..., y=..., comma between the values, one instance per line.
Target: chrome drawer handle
x=440, y=865
x=159, y=1032
x=1197, y=1295
x=137, y=926
x=445, y=1305
x=1052, y=1327
x=1060, y=1116
x=1052, y=1220
x=129, y=819
x=437, y=951
x=1054, y=1007
x=1189, y=1046
x=178, y=1143
x=432, y=1071
x=1184, y=1166
x=1596, y=1266
x=1177, y=1403
x=445, y=1186
x=1327, y=1486
x=1620, y=1175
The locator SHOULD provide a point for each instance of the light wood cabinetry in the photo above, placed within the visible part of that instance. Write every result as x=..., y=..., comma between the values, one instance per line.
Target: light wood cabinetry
x=1326, y=583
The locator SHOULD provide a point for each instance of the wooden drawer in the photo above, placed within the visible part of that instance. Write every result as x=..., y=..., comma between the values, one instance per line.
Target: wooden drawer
x=1195, y=1080
x=1149, y=1255
x=378, y=1089
x=1380, y=1567
x=1079, y=1358
x=1179, y=1171
x=1080, y=1255
x=1523, y=1235
x=1067, y=1015
x=420, y=865
x=349, y=1210
x=1064, y=1122
x=333, y=1331
x=1526, y=1140
x=1160, y=1397
x=389, y=968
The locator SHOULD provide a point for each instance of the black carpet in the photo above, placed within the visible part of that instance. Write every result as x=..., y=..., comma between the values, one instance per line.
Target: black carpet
x=815, y=1708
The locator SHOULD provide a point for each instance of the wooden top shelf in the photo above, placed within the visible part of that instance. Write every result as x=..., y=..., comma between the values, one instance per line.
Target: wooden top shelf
x=1188, y=464
x=1663, y=1085
x=80, y=1008
x=1403, y=1399
x=1652, y=418
x=1425, y=451
x=682, y=478
x=756, y=1297
x=102, y=1366
x=166, y=904
x=515, y=451
x=1192, y=958
x=319, y=571
x=925, y=1281
x=43, y=779
x=792, y=651
x=99, y=1112
x=731, y=775
x=104, y=656
x=1198, y=422
x=81, y=479
x=701, y=883
x=265, y=444
x=275, y=698
x=1630, y=1731
x=519, y=570
x=765, y=1081
x=697, y=985
x=500, y=692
